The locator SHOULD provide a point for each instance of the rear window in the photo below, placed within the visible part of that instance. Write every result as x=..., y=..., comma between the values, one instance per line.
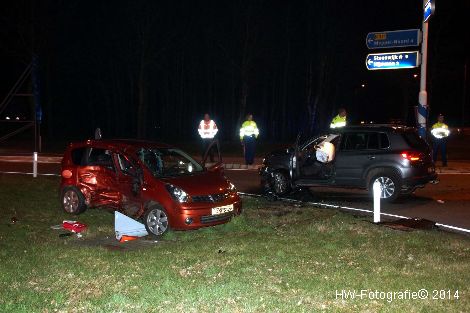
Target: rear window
x=414, y=141
x=77, y=155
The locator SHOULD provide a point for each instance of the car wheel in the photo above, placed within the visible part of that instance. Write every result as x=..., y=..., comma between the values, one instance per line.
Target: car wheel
x=156, y=221
x=390, y=184
x=280, y=183
x=73, y=201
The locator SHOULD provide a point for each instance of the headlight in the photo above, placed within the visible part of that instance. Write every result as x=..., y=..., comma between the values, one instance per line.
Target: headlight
x=232, y=187
x=177, y=193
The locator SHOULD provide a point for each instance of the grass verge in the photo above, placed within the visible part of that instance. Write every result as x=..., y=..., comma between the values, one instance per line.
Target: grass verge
x=274, y=257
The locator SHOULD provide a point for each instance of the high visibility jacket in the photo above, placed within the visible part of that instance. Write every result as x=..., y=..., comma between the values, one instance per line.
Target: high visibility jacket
x=338, y=121
x=440, y=130
x=207, y=129
x=249, y=128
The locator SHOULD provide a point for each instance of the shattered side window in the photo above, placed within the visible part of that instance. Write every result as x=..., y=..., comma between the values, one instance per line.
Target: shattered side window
x=101, y=157
x=311, y=145
x=125, y=165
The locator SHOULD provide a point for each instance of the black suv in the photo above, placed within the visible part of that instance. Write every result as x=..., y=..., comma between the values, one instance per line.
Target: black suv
x=360, y=155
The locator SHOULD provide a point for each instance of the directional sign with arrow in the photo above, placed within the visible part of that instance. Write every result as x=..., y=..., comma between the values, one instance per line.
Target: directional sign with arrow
x=392, y=60
x=393, y=39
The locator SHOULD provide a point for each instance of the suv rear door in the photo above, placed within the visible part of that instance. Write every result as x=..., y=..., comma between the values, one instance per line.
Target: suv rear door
x=357, y=152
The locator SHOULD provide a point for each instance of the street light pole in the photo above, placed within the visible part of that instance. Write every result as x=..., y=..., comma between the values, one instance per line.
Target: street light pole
x=423, y=94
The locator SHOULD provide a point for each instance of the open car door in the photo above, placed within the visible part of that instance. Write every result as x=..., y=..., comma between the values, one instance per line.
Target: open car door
x=294, y=166
x=130, y=183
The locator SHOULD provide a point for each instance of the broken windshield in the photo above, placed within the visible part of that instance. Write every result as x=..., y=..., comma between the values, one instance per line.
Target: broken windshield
x=168, y=162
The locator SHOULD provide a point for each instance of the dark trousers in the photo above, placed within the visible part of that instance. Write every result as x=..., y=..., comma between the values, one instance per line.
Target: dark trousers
x=206, y=142
x=249, y=143
x=442, y=145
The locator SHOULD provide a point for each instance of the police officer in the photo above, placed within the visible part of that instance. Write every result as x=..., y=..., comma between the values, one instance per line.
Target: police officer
x=207, y=130
x=248, y=134
x=440, y=132
x=339, y=120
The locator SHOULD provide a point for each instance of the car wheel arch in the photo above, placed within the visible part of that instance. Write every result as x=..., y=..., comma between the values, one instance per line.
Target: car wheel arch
x=391, y=179
x=151, y=203
x=371, y=172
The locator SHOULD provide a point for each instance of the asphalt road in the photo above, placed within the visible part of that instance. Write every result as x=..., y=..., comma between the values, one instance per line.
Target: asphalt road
x=447, y=202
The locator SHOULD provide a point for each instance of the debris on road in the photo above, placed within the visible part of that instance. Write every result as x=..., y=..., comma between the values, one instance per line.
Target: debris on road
x=74, y=226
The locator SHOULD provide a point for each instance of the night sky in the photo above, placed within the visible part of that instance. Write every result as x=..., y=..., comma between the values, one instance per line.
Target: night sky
x=151, y=69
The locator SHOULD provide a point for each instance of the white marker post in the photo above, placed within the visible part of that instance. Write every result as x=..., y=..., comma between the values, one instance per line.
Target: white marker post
x=377, y=190
x=35, y=164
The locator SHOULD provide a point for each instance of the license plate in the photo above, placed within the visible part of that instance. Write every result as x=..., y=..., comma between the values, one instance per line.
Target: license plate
x=222, y=209
x=431, y=169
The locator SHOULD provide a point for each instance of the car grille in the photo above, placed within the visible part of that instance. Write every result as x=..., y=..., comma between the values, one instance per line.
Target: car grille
x=215, y=218
x=211, y=198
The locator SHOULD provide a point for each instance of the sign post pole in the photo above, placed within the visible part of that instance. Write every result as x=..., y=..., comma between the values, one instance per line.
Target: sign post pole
x=423, y=107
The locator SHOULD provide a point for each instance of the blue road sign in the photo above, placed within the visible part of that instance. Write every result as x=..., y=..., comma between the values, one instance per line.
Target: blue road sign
x=393, y=39
x=428, y=10
x=392, y=60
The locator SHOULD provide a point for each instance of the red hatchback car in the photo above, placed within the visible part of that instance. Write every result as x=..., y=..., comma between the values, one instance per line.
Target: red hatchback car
x=156, y=183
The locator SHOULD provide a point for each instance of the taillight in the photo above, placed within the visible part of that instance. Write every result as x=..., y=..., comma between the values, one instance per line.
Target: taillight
x=411, y=156
x=67, y=173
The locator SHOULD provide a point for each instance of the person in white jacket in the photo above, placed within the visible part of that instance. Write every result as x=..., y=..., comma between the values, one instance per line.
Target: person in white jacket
x=207, y=131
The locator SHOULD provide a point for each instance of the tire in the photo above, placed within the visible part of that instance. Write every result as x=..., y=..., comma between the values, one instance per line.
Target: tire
x=390, y=183
x=73, y=201
x=156, y=221
x=280, y=183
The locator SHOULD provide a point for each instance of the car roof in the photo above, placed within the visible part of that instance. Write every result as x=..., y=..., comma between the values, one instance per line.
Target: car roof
x=373, y=127
x=120, y=144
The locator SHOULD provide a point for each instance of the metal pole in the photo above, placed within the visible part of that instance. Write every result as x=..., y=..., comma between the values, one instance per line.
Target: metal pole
x=376, y=190
x=423, y=94
x=35, y=164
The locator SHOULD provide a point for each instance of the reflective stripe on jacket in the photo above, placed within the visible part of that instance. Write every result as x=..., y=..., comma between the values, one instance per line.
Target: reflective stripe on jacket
x=338, y=121
x=207, y=129
x=249, y=128
x=440, y=130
